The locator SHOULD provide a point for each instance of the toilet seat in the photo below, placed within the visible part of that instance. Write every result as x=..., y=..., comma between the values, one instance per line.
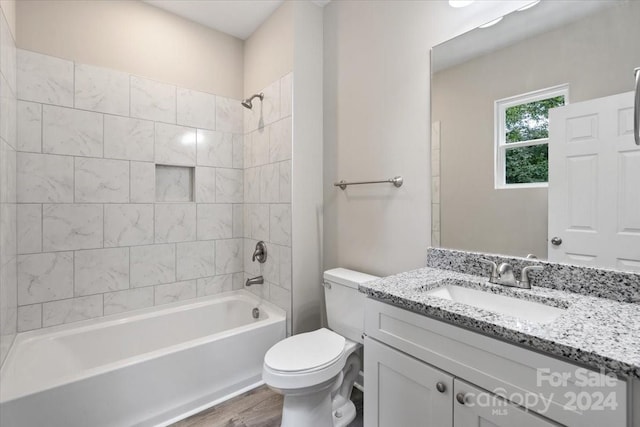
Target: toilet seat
x=305, y=352
x=305, y=360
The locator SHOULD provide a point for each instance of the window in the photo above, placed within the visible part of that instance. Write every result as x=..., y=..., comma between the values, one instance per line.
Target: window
x=522, y=137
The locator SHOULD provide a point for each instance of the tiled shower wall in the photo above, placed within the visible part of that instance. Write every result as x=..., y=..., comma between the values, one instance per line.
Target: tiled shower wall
x=98, y=231
x=8, y=288
x=267, y=191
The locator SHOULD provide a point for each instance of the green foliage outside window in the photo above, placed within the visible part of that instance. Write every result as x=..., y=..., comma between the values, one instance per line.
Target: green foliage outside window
x=527, y=122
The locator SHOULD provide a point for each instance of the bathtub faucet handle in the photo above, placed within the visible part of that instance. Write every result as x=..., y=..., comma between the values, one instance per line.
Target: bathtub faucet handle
x=260, y=253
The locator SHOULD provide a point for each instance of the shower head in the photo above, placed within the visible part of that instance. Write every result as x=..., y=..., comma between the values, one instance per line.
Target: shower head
x=247, y=102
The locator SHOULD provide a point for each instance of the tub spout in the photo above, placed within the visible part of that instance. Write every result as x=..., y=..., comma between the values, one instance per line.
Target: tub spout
x=255, y=281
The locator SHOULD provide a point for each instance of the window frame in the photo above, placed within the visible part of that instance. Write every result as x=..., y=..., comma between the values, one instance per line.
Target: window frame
x=500, y=144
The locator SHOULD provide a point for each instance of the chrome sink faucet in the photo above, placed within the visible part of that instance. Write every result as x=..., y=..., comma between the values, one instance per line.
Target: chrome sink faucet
x=504, y=275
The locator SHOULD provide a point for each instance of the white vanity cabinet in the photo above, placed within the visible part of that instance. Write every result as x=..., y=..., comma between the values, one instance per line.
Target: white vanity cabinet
x=472, y=408
x=408, y=355
x=403, y=391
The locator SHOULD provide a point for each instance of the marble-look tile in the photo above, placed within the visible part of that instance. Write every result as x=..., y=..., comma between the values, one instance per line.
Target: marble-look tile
x=214, y=285
x=435, y=239
x=285, y=182
x=101, y=270
x=229, y=256
x=195, y=260
x=45, y=277
x=71, y=227
x=280, y=297
x=238, y=151
x=271, y=268
x=8, y=303
x=435, y=189
x=259, y=222
x=229, y=115
x=128, y=225
x=8, y=118
x=285, y=267
x=238, y=221
x=251, y=268
x=71, y=132
x=101, y=181
x=29, y=317
x=205, y=185
x=71, y=310
x=280, y=224
x=269, y=183
x=238, y=280
x=280, y=140
x=435, y=162
x=127, y=300
x=229, y=186
x=8, y=53
x=215, y=148
x=143, y=182
x=173, y=292
x=43, y=78
x=29, y=122
x=175, y=222
x=215, y=221
x=196, y=109
x=259, y=148
x=29, y=233
x=153, y=100
x=8, y=233
x=271, y=103
x=435, y=217
x=128, y=139
x=286, y=95
x=44, y=178
x=8, y=173
x=101, y=89
x=153, y=265
x=175, y=145
x=174, y=184
x=251, y=183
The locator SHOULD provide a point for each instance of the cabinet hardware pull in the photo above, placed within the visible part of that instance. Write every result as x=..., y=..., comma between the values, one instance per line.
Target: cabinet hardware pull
x=460, y=398
x=441, y=387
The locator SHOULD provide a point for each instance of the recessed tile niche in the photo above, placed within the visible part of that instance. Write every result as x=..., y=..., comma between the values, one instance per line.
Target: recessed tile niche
x=174, y=183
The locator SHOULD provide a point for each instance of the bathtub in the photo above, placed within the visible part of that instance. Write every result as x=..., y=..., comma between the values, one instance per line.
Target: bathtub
x=144, y=368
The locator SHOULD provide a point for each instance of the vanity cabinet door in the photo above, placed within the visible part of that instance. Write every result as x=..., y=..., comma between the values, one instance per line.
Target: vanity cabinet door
x=402, y=391
x=473, y=406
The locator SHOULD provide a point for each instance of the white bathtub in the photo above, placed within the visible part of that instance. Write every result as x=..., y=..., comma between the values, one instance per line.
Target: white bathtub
x=150, y=367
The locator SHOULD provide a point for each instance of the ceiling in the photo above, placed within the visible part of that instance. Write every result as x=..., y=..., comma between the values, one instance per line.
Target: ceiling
x=240, y=18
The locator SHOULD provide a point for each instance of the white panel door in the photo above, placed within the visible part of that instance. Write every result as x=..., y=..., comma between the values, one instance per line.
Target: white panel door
x=594, y=184
x=402, y=391
x=477, y=407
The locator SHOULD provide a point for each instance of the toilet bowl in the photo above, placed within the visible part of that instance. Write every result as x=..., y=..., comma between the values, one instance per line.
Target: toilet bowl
x=315, y=371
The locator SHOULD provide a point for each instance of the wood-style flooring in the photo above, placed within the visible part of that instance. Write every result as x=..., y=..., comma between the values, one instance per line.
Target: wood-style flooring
x=260, y=407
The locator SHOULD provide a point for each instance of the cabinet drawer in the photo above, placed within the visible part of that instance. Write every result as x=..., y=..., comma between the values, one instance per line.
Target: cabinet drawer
x=477, y=407
x=541, y=383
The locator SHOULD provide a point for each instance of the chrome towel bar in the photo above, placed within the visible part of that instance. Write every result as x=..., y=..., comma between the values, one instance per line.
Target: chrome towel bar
x=396, y=181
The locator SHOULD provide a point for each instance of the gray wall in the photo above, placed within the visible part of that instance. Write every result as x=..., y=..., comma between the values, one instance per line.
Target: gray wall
x=591, y=58
x=376, y=125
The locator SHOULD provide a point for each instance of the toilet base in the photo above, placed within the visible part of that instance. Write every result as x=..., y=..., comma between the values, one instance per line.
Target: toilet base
x=344, y=415
x=312, y=409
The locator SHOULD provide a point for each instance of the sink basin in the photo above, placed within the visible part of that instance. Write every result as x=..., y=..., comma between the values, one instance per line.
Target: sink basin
x=516, y=307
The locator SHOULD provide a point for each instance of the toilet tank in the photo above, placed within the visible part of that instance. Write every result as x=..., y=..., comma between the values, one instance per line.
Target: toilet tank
x=345, y=304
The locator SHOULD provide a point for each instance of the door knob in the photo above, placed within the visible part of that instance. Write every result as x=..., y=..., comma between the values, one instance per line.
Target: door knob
x=441, y=387
x=460, y=398
x=556, y=241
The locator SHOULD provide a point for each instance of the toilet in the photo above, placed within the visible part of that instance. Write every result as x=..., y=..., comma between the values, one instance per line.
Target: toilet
x=315, y=371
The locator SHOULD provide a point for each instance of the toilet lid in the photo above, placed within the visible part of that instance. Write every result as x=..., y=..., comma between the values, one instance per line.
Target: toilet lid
x=306, y=351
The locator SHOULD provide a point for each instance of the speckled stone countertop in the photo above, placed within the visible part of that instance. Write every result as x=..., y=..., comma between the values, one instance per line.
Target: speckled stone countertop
x=596, y=332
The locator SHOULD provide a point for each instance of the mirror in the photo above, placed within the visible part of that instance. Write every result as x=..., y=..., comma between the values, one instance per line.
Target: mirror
x=589, y=49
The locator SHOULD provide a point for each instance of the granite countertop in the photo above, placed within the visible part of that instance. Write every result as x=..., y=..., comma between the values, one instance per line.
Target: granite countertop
x=596, y=332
